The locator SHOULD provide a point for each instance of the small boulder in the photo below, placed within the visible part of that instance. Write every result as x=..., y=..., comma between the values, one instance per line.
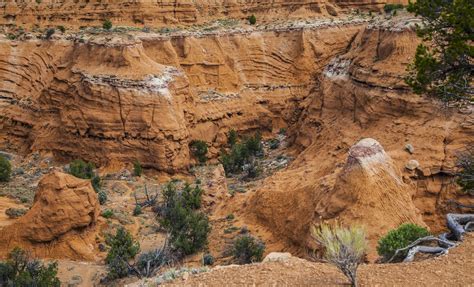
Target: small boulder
x=409, y=148
x=277, y=257
x=412, y=165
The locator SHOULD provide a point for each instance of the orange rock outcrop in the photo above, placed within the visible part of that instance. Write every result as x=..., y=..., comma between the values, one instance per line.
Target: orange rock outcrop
x=57, y=224
x=169, y=12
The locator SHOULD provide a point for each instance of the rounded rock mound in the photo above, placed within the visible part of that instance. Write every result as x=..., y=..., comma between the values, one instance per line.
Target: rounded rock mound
x=64, y=207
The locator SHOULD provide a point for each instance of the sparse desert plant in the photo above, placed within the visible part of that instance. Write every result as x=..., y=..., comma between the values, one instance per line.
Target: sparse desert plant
x=5, y=169
x=107, y=213
x=49, y=33
x=252, y=19
x=20, y=270
x=61, y=28
x=392, y=7
x=137, y=168
x=102, y=196
x=122, y=248
x=248, y=249
x=274, y=143
x=232, y=138
x=15, y=212
x=81, y=169
x=199, y=150
x=465, y=175
x=207, y=259
x=188, y=228
x=96, y=183
x=137, y=210
x=107, y=24
x=400, y=238
x=241, y=153
x=345, y=248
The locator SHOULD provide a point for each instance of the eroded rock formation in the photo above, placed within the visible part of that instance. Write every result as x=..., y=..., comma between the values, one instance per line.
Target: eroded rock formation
x=57, y=224
x=169, y=12
x=360, y=94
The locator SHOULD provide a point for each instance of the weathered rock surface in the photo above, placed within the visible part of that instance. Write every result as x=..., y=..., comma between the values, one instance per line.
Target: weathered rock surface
x=361, y=94
x=169, y=12
x=64, y=208
x=123, y=99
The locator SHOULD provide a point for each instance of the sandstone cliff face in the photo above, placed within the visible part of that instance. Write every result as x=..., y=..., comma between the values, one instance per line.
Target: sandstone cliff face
x=64, y=209
x=361, y=94
x=168, y=12
x=127, y=99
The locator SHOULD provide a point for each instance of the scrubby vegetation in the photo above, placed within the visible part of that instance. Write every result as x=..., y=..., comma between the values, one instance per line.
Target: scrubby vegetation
x=248, y=249
x=465, y=175
x=343, y=247
x=15, y=212
x=399, y=238
x=232, y=138
x=122, y=248
x=102, y=196
x=108, y=213
x=199, y=150
x=188, y=228
x=49, y=33
x=207, y=259
x=392, y=7
x=5, y=169
x=443, y=67
x=22, y=271
x=137, y=168
x=252, y=20
x=81, y=169
x=241, y=154
x=107, y=24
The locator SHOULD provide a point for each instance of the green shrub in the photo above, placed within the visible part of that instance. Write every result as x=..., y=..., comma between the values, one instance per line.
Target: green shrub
x=345, y=248
x=122, y=248
x=81, y=169
x=107, y=24
x=230, y=217
x=96, y=183
x=232, y=138
x=22, y=271
x=392, y=7
x=199, y=150
x=50, y=32
x=107, y=213
x=15, y=212
x=241, y=153
x=61, y=28
x=399, y=238
x=137, y=210
x=5, y=169
x=207, y=259
x=102, y=196
x=252, y=19
x=274, y=143
x=187, y=227
x=137, y=168
x=247, y=249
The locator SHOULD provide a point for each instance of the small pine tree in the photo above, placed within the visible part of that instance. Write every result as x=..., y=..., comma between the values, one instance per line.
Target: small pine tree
x=81, y=169
x=247, y=249
x=232, y=137
x=49, y=33
x=122, y=248
x=137, y=168
x=442, y=67
x=252, y=19
x=5, y=169
x=199, y=150
x=107, y=25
